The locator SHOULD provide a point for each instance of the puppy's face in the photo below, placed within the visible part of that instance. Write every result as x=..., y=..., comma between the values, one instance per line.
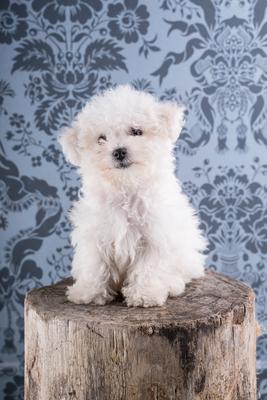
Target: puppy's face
x=122, y=147
x=123, y=133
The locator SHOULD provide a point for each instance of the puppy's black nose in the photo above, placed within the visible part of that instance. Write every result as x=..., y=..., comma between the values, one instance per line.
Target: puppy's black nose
x=120, y=154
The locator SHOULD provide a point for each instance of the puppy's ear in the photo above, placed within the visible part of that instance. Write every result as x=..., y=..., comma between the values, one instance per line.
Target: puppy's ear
x=69, y=143
x=172, y=118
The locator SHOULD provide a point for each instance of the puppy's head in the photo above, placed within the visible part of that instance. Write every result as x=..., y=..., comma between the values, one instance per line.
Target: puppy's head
x=123, y=133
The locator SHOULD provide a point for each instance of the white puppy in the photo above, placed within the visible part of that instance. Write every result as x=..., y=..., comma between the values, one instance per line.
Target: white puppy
x=134, y=230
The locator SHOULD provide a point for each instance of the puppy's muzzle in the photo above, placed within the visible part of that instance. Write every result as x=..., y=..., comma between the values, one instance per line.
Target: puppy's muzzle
x=120, y=154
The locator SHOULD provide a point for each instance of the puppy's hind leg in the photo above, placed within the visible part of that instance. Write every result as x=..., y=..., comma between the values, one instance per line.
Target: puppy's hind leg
x=91, y=277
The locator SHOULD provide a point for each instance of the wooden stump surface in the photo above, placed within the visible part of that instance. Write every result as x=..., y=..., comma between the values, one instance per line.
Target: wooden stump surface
x=203, y=342
x=206, y=300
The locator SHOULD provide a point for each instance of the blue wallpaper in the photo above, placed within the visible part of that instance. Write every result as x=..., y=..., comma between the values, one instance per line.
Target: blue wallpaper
x=56, y=54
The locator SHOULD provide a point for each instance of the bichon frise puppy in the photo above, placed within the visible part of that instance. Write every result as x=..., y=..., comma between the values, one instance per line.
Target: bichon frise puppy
x=134, y=230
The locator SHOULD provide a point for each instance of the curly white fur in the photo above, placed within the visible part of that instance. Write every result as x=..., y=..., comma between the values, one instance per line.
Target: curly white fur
x=134, y=230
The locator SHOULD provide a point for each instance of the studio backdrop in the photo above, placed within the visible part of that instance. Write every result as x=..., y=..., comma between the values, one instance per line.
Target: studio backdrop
x=210, y=55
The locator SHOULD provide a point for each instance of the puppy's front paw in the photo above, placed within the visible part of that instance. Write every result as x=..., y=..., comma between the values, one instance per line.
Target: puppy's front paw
x=102, y=299
x=140, y=298
x=176, y=287
x=81, y=294
x=78, y=295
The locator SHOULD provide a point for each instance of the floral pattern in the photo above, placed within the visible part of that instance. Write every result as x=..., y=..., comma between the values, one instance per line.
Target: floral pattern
x=13, y=25
x=56, y=10
x=233, y=210
x=208, y=55
x=127, y=20
x=230, y=70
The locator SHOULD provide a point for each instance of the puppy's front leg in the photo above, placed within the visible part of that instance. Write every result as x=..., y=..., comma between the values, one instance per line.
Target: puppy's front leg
x=148, y=282
x=91, y=278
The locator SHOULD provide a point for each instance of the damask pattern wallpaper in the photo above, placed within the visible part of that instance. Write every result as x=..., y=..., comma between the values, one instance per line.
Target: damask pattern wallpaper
x=210, y=55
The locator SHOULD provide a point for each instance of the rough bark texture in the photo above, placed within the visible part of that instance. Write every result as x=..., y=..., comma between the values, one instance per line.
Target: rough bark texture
x=198, y=346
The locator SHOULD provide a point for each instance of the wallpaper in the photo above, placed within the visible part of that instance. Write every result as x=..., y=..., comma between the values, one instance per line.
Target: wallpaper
x=55, y=54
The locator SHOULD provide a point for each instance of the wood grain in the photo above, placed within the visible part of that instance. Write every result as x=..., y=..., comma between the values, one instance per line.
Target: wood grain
x=200, y=345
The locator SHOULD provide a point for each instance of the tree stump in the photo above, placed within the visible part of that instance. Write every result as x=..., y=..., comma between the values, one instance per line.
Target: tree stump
x=200, y=345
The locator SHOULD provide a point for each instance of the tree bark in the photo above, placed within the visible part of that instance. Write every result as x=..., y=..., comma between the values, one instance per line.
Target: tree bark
x=199, y=346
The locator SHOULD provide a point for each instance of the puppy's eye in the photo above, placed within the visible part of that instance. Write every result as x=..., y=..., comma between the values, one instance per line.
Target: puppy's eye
x=136, y=132
x=101, y=139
